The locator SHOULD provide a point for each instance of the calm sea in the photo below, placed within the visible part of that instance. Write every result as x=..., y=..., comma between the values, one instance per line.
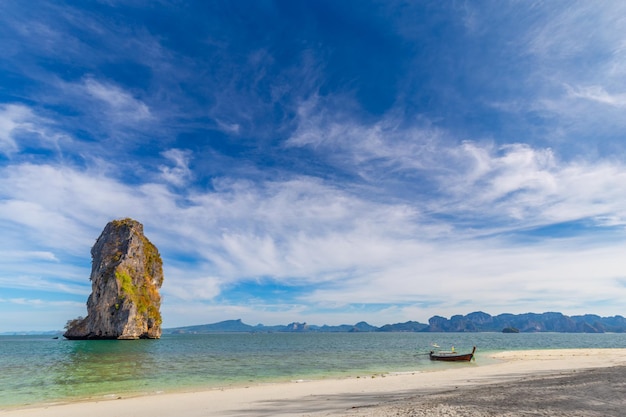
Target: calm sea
x=40, y=370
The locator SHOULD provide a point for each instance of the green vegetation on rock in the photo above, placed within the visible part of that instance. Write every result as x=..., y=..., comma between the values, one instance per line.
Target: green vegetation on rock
x=152, y=258
x=126, y=284
x=146, y=297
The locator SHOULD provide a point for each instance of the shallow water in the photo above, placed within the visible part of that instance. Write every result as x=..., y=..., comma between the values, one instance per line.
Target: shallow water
x=36, y=370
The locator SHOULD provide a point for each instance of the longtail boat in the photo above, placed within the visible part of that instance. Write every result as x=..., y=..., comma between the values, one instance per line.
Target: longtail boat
x=452, y=356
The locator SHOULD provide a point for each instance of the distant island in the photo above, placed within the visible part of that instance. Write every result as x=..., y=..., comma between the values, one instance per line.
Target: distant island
x=473, y=322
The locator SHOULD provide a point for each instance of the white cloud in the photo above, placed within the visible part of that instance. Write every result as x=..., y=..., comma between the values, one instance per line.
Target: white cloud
x=598, y=94
x=45, y=199
x=567, y=85
x=180, y=173
x=36, y=302
x=12, y=118
x=120, y=104
x=551, y=37
x=515, y=184
x=65, y=279
x=534, y=188
x=383, y=147
x=232, y=128
x=25, y=256
x=198, y=288
x=513, y=180
x=21, y=127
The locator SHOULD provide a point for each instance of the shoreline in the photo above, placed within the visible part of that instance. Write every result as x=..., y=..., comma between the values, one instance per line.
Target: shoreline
x=377, y=395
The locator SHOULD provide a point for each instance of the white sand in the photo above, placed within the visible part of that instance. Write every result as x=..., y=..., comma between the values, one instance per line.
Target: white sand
x=336, y=397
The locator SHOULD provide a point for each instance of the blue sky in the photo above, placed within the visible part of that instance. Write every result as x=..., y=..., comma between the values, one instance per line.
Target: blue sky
x=318, y=161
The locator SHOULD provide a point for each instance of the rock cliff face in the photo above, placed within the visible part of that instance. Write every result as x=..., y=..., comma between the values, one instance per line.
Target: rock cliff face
x=126, y=275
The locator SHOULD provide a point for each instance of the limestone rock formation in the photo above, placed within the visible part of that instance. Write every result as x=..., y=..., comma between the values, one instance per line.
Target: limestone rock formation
x=126, y=275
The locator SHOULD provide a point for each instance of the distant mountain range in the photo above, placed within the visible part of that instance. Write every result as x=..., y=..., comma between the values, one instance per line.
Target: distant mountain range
x=527, y=323
x=473, y=322
x=34, y=333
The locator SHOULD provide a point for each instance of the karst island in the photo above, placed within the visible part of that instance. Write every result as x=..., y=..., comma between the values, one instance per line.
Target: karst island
x=126, y=275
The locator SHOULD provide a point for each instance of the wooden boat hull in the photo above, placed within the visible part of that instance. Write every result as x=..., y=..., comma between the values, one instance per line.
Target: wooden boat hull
x=452, y=357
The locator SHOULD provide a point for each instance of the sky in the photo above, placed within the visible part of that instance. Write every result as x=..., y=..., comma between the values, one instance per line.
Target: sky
x=326, y=162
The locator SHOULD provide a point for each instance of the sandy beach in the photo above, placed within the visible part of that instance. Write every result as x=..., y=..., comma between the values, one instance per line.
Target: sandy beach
x=574, y=382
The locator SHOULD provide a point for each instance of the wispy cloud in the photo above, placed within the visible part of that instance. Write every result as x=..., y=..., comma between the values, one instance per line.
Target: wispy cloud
x=180, y=173
x=233, y=128
x=370, y=149
x=25, y=256
x=598, y=94
x=121, y=105
x=20, y=127
x=35, y=302
x=12, y=119
x=469, y=179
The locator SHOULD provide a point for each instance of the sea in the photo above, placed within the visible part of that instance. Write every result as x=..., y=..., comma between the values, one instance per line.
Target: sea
x=40, y=370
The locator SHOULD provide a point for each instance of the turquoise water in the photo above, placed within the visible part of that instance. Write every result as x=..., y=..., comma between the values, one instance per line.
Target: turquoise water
x=39, y=370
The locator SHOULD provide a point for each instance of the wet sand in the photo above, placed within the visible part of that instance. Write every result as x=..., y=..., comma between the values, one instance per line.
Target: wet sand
x=576, y=382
